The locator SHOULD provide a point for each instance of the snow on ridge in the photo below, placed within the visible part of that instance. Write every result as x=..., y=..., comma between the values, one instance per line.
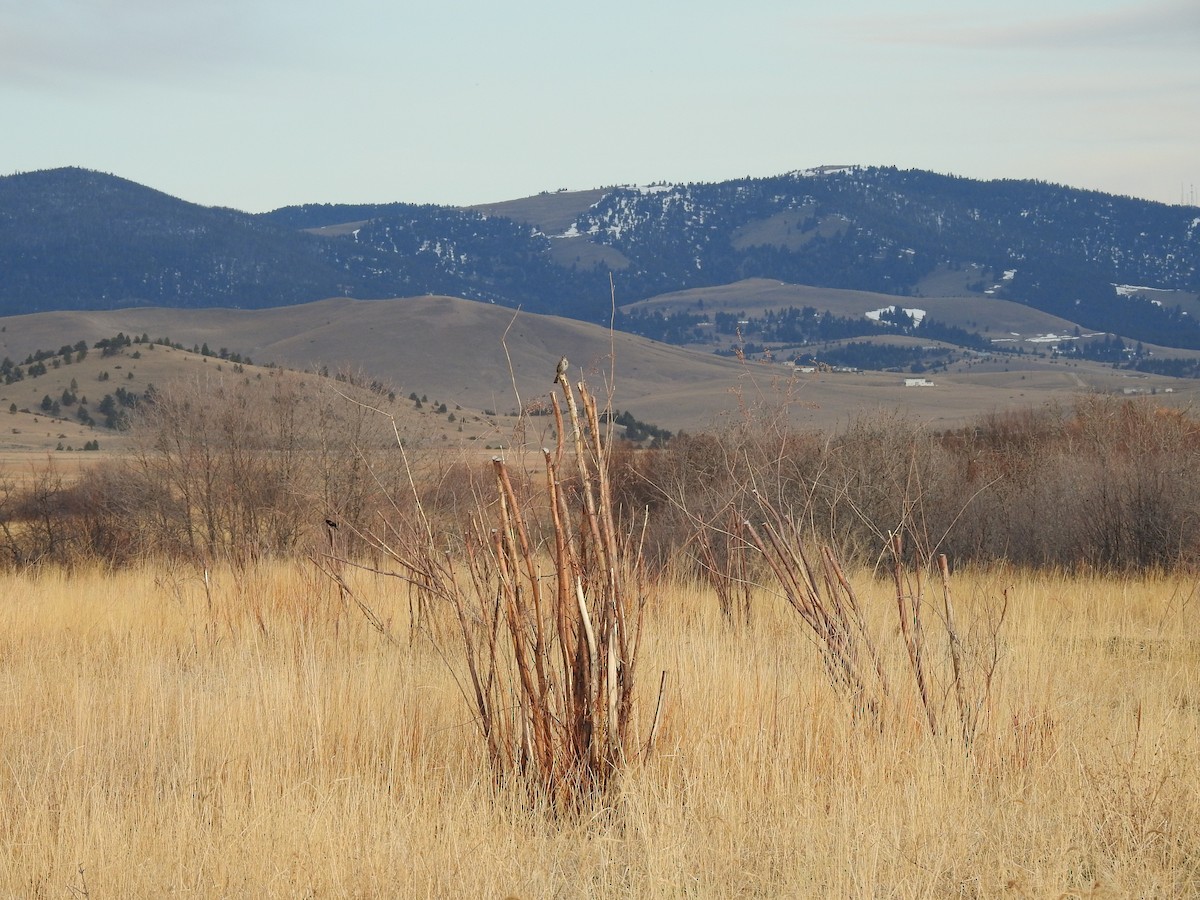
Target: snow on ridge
x=1129, y=290
x=815, y=171
x=915, y=314
x=1049, y=338
x=649, y=188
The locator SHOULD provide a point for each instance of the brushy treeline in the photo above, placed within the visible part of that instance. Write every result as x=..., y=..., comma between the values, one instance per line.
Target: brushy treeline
x=1107, y=483
x=224, y=469
x=220, y=474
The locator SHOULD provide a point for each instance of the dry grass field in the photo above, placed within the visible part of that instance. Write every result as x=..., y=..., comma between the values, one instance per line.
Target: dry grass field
x=245, y=733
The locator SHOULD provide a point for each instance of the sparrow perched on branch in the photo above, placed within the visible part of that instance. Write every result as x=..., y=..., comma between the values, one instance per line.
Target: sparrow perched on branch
x=561, y=372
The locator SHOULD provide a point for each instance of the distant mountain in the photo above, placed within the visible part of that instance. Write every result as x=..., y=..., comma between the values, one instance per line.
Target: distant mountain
x=74, y=239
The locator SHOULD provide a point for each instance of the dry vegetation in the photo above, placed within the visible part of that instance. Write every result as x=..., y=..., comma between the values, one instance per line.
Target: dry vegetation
x=247, y=734
x=290, y=660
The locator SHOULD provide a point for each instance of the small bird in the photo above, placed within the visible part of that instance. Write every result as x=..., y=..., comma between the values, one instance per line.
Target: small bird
x=561, y=372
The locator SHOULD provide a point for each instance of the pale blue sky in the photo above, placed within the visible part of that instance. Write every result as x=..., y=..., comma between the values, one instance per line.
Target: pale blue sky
x=257, y=104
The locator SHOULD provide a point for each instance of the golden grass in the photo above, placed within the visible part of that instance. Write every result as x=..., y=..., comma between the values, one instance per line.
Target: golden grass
x=252, y=737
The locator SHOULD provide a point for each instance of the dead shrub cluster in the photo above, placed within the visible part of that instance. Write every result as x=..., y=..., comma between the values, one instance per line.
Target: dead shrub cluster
x=547, y=593
x=225, y=469
x=1108, y=483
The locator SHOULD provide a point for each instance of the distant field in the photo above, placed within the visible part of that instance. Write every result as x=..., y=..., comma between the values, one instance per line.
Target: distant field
x=22, y=468
x=828, y=400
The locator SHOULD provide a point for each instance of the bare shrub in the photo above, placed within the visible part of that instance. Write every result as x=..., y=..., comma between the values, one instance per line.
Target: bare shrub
x=726, y=561
x=698, y=490
x=826, y=603
x=1111, y=483
x=951, y=680
x=32, y=519
x=548, y=601
x=1139, y=496
x=875, y=479
x=1002, y=495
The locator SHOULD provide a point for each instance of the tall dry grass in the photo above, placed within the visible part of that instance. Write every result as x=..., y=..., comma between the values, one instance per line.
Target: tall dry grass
x=251, y=735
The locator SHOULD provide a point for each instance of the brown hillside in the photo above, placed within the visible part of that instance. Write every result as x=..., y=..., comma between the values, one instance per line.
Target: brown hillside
x=552, y=213
x=989, y=316
x=28, y=427
x=453, y=351
x=435, y=346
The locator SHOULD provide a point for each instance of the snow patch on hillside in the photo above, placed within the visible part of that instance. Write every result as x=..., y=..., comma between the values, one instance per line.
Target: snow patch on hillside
x=1050, y=338
x=823, y=170
x=1130, y=290
x=916, y=314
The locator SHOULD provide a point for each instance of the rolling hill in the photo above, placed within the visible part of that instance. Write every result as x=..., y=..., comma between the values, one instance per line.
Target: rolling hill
x=84, y=401
x=485, y=362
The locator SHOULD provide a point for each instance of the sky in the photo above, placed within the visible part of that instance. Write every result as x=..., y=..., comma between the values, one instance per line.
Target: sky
x=257, y=104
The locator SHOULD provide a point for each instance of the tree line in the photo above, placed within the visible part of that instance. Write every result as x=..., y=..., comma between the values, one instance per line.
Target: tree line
x=223, y=472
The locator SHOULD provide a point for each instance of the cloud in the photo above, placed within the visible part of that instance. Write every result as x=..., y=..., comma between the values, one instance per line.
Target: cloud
x=1165, y=24
x=59, y=43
